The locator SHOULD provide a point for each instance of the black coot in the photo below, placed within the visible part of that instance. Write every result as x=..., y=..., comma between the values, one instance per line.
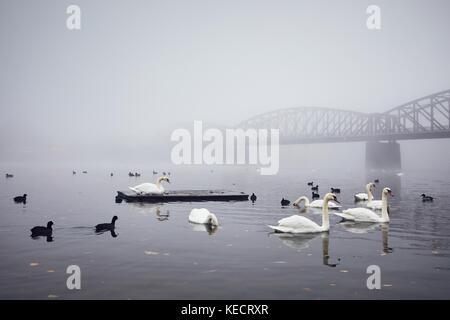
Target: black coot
x=106, y=226
x=21, y=199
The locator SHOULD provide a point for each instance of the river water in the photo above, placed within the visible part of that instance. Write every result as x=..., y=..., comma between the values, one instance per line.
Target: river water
x=158, y=254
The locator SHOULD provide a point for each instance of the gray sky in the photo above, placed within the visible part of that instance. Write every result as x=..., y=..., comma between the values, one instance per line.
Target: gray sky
x=137, y=68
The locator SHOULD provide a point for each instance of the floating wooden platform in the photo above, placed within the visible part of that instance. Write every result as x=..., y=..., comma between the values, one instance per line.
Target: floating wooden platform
x=184, y=196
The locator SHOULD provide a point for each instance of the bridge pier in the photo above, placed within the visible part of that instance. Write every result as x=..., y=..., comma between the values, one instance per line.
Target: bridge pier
x=383, y=155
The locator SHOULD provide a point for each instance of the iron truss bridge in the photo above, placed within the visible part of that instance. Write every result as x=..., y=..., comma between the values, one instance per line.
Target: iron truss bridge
x=424, y=118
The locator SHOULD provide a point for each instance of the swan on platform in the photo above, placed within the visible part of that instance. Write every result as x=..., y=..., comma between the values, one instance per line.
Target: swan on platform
x=150, y=188
x=315, y=203
x=367, y=215
x=366, y=196
x=300, y=224
x=203, y=216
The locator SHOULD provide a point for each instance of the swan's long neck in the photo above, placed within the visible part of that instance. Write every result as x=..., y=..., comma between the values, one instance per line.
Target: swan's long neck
x=384, y=207
x=325, y=217
x=158, y=182
x=296, y=202
x=213, y=220
x=369, y=192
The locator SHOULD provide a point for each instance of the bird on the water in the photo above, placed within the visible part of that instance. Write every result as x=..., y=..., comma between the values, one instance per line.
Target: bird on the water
x=426, y=198
x=21, y=199
x=42, y=231
x=106, y=226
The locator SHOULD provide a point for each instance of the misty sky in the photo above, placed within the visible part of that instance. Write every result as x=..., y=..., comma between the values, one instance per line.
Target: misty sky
x=137, y=68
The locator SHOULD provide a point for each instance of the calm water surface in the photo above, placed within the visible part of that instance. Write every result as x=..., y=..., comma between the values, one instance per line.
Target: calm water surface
x=158, y=254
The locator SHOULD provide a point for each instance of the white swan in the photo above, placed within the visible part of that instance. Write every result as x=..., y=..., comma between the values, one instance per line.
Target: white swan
x=299, y=224
x=203, y=216
x=367, y=215
x=375, y=204
x=366, y=196
x=315, y=203
x=150, y=188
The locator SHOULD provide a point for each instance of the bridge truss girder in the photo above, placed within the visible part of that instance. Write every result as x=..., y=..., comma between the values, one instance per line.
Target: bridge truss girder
x=424, y=118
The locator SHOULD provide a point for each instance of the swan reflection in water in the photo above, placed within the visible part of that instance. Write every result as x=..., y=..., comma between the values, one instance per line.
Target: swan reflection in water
x=210, y=229
x=366, y=227
x=301, y=241
x=146, y=208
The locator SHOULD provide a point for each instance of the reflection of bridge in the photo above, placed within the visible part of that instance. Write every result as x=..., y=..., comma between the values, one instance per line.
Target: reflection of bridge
x=424, y=118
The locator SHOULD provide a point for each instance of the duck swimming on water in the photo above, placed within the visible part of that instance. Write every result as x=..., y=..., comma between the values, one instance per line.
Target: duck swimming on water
x=426, y=198
x=42, y=231
x=106, y=226
x=21, y=199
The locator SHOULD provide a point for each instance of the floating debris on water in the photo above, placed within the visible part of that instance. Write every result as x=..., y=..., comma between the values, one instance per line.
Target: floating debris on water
x=210, y=271
x=343, y=271
x=52, y=296
x=149, y=253
x=50, y=270
x=34, y=264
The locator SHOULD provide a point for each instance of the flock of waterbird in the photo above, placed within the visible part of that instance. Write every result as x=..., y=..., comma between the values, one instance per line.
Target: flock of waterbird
x=373, y=211
x=47, y=231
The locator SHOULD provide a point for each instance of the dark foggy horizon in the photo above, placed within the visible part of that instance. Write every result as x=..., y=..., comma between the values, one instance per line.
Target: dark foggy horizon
x=135, y=71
